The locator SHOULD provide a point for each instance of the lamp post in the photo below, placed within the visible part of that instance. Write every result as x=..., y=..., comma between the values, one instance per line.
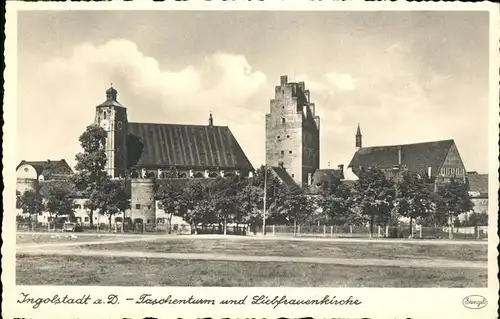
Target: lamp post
x=265, y=193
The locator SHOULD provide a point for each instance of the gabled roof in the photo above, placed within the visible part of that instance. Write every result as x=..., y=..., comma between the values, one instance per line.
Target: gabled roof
x=416, y=157
x=167, y=145
x=478, y=183
x=45, y=168
x=283, y=176
x=325, y=175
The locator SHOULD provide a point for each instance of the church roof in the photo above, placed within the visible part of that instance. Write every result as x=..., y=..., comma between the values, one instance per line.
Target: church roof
x=44, y=168
x=416, y=157
x=325, y=175
x=283, y=176
x=167, y=145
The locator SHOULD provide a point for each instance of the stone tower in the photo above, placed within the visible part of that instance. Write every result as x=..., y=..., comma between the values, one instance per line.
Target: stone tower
x=292, y=131
x=359, y=139
x=112, y=117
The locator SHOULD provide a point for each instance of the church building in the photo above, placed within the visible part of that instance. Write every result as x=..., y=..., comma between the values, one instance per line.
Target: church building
x=437, y=161
x=154, y=148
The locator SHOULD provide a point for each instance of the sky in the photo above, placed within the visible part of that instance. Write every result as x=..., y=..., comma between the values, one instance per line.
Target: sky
x=405, y=77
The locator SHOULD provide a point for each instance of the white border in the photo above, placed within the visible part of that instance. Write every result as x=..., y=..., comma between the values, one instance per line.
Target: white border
x=377, y=302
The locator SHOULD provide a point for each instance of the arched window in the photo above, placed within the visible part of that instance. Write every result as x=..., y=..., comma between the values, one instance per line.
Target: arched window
x=104, y=115
x=120, y=125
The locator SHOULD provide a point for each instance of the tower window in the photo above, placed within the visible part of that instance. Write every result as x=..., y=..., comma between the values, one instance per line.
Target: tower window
x=104, y=115
x=120, y=125
x=288, y=136
x=290, y=152
x=283, y=120
x=138, y=206
x=278, y=137
x=293, y=175
x=282, y=152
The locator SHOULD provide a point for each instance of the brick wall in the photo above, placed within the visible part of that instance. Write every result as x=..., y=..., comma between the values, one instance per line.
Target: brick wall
x=292, y=134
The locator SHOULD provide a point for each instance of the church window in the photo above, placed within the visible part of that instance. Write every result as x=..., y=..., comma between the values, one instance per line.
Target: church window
x=138, y=206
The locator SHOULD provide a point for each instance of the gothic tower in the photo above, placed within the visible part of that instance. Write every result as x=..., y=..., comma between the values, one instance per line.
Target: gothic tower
x=112, y=117
x=359, y=139
x=292, y=131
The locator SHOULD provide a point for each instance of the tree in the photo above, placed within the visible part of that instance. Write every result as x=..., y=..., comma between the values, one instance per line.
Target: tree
x=110, y=198
x=453, y=199
x=414, y=199
x=275, y=194
x=30, y=202
x=373, y=196
x=249, y=207
x=337, y=205
x=477, y=219
x=173, y=200
x=91, y=164
x=59, y=201
x=297, y=205
x=196, y=200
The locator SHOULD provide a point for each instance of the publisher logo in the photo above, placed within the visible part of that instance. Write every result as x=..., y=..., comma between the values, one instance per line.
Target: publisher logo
x=474, y=302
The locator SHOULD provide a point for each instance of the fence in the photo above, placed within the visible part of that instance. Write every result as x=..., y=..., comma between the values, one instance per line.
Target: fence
x=326, y=231
x=417, y=231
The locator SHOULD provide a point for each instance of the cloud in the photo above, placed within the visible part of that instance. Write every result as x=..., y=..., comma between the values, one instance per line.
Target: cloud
x=343, y=82
x=64, y=91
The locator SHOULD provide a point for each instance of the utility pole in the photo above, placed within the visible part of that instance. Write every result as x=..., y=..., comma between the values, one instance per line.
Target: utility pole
x=265, y=191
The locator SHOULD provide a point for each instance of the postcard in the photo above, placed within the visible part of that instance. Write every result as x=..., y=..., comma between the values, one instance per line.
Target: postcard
x=250, y=159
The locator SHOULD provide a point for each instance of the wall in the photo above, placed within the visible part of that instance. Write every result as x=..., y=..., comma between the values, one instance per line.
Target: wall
x=142, y=202
x=453, y=165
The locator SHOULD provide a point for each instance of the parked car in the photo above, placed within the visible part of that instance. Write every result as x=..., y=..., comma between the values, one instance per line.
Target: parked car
x=72, y=227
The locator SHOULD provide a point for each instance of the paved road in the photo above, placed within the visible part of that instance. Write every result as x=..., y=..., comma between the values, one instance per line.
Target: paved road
x=425, y=263
x=72, y=248
x=270, y=237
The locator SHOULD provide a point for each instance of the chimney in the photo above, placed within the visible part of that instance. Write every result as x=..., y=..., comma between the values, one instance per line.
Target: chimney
x=399, y=155
x=340, y=167
x=302, y=86
x=283, y=79
x=210, y=120
x=309, y=179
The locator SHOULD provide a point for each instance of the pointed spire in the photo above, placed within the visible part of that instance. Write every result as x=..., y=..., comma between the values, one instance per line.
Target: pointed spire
x=359, y=138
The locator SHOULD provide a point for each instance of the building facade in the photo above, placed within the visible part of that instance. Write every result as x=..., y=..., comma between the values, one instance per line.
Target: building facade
x=437, y=161
x=292, y=131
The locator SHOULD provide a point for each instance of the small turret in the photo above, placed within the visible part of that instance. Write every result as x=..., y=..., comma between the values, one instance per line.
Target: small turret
x=359, y=139
x=111, y=94
x=210, y=120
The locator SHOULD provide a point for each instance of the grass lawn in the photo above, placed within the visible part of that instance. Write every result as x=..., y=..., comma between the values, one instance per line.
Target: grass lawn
x=57, y=238
x=382, y=250
x=118, y=271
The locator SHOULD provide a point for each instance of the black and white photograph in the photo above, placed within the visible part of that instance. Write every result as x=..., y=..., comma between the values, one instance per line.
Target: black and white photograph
x=273, y=149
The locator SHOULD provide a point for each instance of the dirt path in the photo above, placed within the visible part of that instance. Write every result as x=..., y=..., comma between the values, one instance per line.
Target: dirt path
x=275, y=238
x=434, y=263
